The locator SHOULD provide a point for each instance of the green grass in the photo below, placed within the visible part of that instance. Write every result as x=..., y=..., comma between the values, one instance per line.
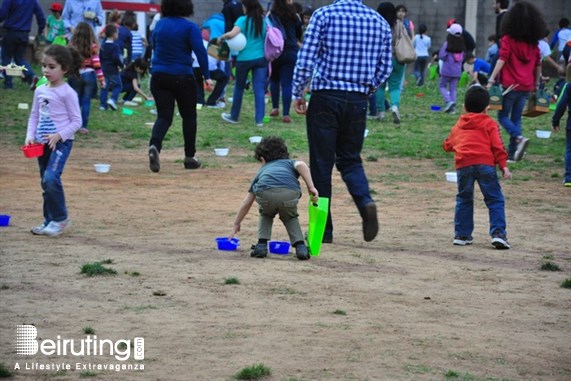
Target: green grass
x=254, y=372
x=420, y=134
x=96, y=268
x=4, y=371
x=88, y=330
x=550, y=266
x=566, y=283
x=340, y=312
x=232, y=280
x=87, y=373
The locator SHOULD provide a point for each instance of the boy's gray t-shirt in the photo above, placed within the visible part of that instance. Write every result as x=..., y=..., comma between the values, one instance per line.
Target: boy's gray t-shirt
x=276, y=174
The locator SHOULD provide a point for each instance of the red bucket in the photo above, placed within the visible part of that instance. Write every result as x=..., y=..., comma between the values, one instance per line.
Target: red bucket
x=33, y=150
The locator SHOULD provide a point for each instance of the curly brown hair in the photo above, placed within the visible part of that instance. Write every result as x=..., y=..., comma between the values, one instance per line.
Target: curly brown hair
x=271, y=148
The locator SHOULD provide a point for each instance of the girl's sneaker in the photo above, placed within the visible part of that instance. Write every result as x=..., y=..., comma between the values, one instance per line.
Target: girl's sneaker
x=38, y=230
x=55, y=228
x=463, y=241
x=500, y=241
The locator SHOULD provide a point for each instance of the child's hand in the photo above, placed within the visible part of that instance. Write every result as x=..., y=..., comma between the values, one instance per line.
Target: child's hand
x=555, y=128
x=506, y=174
x=29, y=141
x=209, y=86
x=314, y=194
x=235, y=231
x=52, y=140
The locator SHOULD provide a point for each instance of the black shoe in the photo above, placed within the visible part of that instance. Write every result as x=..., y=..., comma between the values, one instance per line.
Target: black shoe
x=191, y=163
x=301, y=252
x=521, y=148
x=259, y=250
x=327, y=239
x=370, y=222
x=463, y=241
x=500, y=241
x=154, y=161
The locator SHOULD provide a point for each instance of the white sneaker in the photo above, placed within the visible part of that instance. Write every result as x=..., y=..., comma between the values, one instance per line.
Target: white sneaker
x=396, y=114
x=55, y=228
x=228, y=118
x=111, y=103
x=217, y=105
x=38, y=230
x=130, y=103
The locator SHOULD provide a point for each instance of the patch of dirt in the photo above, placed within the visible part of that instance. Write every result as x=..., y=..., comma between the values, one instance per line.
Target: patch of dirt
x=416, y=306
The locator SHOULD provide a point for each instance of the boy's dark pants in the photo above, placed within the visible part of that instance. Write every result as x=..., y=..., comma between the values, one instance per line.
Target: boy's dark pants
x=280, y=201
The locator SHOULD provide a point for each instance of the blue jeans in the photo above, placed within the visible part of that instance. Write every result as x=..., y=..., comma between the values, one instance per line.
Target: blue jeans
x=167, y=89
x=487, y=179
x=282, y=76
x=51, y=165
x=568, y=155
x=85, y=86
x=259, y=68
x=336, y=122
x=14, y=45
x=113, y=83
x=129, y=91
x=509, y=116
x=420, y=69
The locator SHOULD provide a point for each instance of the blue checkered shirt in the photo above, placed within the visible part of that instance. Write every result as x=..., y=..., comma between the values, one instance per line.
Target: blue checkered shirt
x=347, y=46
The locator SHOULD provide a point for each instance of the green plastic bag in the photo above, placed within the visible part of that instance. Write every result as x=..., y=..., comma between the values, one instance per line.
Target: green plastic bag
x=317, y=219
x=60, y=40
x=464, y=79
x=433, y=72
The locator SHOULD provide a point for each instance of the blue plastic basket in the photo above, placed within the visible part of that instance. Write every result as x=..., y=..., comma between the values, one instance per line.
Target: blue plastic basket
x=279, y=247
x=227, y=244
x=4, y=219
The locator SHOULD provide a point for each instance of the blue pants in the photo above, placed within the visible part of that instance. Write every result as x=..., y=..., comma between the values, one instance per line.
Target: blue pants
x=487, y=179
x=282, y=76
x=336, y=122
x=568, y=155
x=51, y=165
x=509, y=116
x=14, y=45
x=85, y=86
x=113, y=83
x=259, y=68
x=167, y=89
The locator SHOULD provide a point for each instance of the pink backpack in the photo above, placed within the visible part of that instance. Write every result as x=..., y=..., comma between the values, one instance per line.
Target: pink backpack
x=274, y=43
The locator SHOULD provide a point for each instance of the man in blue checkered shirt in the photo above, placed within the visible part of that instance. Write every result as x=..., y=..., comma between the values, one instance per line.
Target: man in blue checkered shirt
x=347, y=54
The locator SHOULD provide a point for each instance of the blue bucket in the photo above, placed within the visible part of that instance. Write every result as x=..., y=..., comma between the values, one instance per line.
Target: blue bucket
x=4, y=219
x=279, y=247
x=227, y=244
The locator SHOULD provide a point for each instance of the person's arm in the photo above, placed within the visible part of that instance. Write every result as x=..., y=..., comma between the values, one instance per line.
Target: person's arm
x=499, y=65
x=498, y=149
x=554, y=65
x=99, y=14
x=562, y=105
x=242, y=212
x=138, y=90
x=40, y=17
x=33, y=121
x=231, y=33
x=303, y=171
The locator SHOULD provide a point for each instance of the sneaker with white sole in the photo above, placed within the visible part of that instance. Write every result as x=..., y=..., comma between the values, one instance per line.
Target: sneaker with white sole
x=55, y=228
x=217, y=105
x=38, y=230
x=130, y=103
x=111, y=103
x=396, y=114
x=463, y=241
x=500, y=241
x=521, y=148
x=228, y=118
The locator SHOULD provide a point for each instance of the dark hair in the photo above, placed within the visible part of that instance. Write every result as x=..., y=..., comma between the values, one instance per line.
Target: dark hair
x=477, y=99
x=401, y=7
x=564, y=22
x=307, y=11
x=504, y=4
x=110, y=30
x=140, y=63
x=469, y=56
x=271, y=148
x=67, y=56
x=492, y=37
x=422, y=28
x=255, y=12
x=83, y=39
x=298, y=7
x=389, y=12
x=114, y=16
x=129, y=19
x=284, y=12
x=182, y=8
x=524, y=22
x=455, y=44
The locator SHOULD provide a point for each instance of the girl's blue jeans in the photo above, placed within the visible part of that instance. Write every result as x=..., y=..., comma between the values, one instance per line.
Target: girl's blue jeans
x=51, y=165
x=487, y=178
x=85, y=86
x=259, y=68
x=509, y=116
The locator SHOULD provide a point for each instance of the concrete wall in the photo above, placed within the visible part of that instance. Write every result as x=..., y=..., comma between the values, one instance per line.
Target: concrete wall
x=433, y=13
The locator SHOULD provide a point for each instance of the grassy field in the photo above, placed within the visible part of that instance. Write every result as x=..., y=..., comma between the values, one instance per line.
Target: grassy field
x=420, y=135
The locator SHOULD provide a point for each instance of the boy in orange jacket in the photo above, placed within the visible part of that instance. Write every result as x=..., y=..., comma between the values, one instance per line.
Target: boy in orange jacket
x=477, y=145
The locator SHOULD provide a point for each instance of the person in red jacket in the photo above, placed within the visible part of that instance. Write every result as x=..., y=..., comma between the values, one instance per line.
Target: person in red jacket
x=477, y=145
x=519, y=67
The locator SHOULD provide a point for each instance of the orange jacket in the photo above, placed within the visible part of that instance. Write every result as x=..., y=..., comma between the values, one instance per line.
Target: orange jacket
x=475, y=139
